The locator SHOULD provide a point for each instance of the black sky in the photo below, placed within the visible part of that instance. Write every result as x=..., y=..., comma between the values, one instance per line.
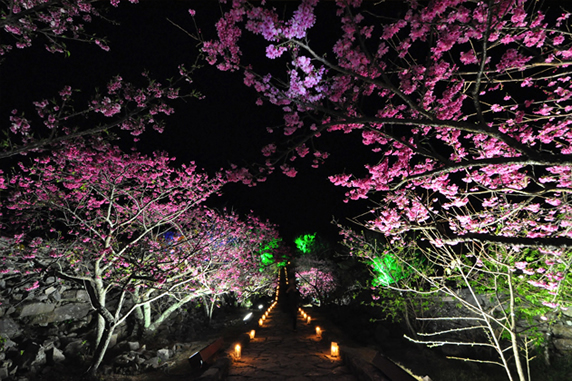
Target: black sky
x=226, y=126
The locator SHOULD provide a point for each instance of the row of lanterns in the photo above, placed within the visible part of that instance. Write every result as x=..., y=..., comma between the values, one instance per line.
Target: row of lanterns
x=252, y=333
x=334, y=348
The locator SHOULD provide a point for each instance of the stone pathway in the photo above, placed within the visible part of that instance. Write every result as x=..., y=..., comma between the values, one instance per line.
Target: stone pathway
x=280, y=353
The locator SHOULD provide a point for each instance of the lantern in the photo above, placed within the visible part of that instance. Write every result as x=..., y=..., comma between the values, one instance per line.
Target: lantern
x=260, y=322
x=251, y=334
x=309, y=319
x=319, y=332
x=335, y=349
x=237, y=352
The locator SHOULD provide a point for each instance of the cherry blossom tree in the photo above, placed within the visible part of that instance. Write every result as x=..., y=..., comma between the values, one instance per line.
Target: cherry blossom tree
x=222, y=254
x=56, y=21
x=315, y=278
x=503, y=297
x=463, y=108
x=91, y=214
x=121, y=106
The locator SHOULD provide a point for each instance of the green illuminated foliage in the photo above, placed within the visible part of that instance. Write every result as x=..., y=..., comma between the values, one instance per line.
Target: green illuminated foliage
x=267, y=253
x=305, y=243
x=387, y=270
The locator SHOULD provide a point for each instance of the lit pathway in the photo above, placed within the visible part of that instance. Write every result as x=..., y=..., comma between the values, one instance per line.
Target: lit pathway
x=279, y=353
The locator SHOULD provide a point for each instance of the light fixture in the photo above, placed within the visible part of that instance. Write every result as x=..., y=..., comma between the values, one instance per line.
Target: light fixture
x=260, y=306
x=335, y=349
x=260, y=322
x=247, y=316
x=237, y=351
x=319, y=332
x=251, y=334
x=309, y=319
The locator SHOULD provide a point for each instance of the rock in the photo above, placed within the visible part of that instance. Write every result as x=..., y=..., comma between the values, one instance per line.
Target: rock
x=75, y=295
x=9, y=328
x=563, y=345
x=164, y=354
x=55, y=355
x=562, y=331
x=124, y=359
x=50, y=290
x=74, y=348
x=133, y=345
x=9, y=344
x=34, y=309
x=72, y=311
x=153, y=362
x=56, y=296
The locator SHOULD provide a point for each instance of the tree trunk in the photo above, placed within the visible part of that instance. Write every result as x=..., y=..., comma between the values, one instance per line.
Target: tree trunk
x=514, y=334
x=101, y=350
x=165, y=315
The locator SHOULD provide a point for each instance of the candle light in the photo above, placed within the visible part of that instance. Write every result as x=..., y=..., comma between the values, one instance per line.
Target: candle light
x=237, y=351
x=309, y=319
x=252, y=334
x=319, y=332
x=260, y=322
x=335, y=349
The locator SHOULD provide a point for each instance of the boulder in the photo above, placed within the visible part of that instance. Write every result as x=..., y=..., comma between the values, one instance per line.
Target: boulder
x=563, y=345
x=561, y=330
x=72, y=311
x=164, y=354
x=34, y=309
x=9, y=328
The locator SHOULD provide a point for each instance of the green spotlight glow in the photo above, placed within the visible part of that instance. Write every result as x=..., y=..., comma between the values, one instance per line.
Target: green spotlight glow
x=387, y=270
x=267, y=252
x=305, y=242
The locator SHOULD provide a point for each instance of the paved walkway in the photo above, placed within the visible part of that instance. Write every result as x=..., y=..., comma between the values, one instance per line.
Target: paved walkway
x=280, y=353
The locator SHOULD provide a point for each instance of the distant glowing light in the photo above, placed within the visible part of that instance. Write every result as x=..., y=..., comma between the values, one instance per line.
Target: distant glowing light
x=247, y=316
x=305, y=242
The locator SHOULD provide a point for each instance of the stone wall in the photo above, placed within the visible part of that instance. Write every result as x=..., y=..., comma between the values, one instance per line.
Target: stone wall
x=558, y=332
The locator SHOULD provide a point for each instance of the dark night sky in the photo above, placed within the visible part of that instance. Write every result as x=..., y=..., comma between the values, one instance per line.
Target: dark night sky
x=226, y=126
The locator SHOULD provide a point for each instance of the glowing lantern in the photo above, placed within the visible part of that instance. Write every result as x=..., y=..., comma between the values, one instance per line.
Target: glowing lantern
x=318, y=332
x=237, y=351
x=335, y=350
x=309, y=319
x=251, y=334
x=260, y=322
